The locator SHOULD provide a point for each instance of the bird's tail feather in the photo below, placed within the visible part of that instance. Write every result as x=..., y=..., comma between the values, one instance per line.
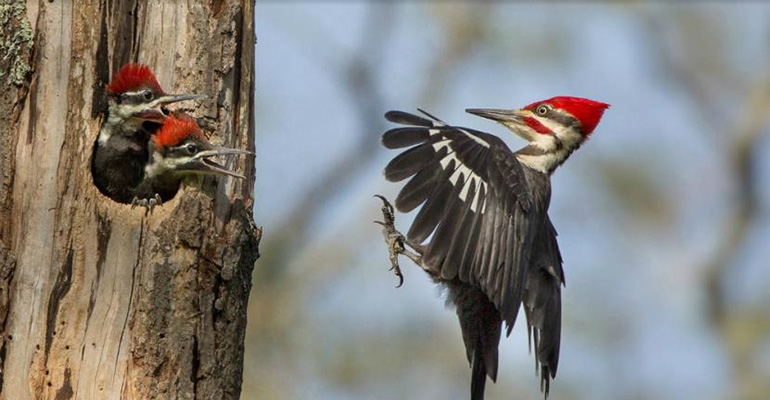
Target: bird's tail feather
x=479, y=374
x=481, y=326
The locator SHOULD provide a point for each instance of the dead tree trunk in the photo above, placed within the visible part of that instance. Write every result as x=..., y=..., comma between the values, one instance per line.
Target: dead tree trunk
x=98, y=300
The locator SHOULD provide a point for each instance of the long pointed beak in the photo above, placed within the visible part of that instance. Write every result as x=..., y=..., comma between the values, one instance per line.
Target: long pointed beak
x=174, y=98
x=155, y=112
x=207, y=165
x=499, y=115
x=515, y=120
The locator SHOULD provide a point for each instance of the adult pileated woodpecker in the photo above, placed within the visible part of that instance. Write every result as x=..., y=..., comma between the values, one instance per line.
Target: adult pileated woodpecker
x=135, y=111
x=179, y=150
x=492, y=245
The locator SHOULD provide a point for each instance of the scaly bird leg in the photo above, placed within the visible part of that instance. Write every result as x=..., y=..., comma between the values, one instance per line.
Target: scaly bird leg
x=396, y=241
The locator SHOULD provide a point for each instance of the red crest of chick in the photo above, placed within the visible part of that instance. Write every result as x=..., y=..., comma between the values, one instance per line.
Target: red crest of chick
x=132, y=77
x=176, y=128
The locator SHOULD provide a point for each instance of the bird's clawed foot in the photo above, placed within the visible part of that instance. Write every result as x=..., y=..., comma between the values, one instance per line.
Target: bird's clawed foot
x=394, y=239
x=148, y=203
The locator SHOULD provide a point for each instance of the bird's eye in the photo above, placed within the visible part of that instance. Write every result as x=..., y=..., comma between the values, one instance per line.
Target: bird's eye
x=148, y=95
x=542, y=110
x=192, y=149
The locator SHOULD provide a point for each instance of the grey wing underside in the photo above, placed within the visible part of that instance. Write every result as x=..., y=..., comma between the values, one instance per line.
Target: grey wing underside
x=475, y=205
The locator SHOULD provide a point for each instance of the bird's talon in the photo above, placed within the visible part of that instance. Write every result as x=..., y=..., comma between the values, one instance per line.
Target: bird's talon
x=400, y=278
x=393, y=238
x=149, y=203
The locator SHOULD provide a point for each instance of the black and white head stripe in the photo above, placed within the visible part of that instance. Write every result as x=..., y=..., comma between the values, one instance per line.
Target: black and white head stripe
x=479, y=204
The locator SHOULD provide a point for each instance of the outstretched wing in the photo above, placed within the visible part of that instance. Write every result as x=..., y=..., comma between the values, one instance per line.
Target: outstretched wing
x=475, y=203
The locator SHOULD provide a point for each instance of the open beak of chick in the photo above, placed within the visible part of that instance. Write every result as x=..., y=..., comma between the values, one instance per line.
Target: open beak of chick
x=203, y=162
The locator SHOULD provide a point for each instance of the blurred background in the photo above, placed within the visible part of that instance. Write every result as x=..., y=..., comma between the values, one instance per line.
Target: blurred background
x=663, y=216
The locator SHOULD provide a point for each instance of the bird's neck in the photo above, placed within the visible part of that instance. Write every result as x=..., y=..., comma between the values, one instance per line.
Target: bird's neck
x=116, y=123
x=160, y=176
x=545, y=160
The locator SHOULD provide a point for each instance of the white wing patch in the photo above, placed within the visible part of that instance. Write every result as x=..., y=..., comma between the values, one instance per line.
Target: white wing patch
x=475, y=138
x=462, y=170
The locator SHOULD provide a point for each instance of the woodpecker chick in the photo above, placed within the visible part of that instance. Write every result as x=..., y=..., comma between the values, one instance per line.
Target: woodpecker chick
x=177, y=151
x=483, y=230
x=135, y=110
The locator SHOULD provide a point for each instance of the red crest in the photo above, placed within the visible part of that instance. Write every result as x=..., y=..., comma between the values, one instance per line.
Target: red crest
x=175, y=129
x=133, y=77
x=587, y=111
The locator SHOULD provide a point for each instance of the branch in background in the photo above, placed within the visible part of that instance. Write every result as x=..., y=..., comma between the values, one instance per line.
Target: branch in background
x=359, y=77
x=742, y=157
x=276, y=301
x=465, y=30
x=683, y=73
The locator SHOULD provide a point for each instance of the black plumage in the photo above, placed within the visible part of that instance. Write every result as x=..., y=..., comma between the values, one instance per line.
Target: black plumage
x=486, y=233
x=118, y=165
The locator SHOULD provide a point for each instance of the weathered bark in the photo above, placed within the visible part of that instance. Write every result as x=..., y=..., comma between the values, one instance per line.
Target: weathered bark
x=98, y=300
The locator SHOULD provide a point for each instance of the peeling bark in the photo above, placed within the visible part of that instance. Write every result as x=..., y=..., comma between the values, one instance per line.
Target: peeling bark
x=98, y=300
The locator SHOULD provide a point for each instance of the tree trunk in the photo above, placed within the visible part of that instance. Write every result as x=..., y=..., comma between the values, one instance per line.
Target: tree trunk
x=98, y=300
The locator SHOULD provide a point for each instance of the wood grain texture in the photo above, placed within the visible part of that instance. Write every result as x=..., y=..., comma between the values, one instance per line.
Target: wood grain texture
x=98, y=300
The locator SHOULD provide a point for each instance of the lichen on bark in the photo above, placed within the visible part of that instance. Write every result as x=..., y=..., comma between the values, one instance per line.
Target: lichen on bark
x=16, y=39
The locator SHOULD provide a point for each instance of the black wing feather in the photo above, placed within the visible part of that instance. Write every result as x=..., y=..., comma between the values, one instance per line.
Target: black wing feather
x=484, y=274
x=454, y=257
x=404, y=137
x=543, y=302
x=441, y=243
x=404, y=118
x=430, y=213
x=409, y=163
x=418, y=189
x=467, y=266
